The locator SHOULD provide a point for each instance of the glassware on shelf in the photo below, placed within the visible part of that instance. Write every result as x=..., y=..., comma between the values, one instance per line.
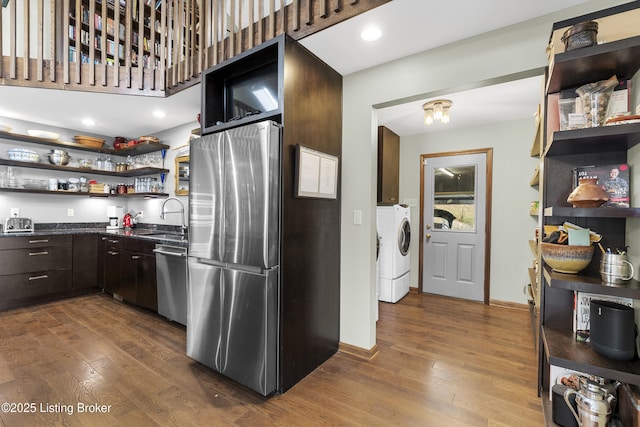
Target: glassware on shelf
x=100, y=163
x=13, y=177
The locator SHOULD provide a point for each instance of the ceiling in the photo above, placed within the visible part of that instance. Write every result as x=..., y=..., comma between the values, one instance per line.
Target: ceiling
x=402, y=23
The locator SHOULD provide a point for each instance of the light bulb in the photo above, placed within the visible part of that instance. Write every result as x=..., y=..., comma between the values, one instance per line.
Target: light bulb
x=437, y=111
x=428, y=116
x=445, y=115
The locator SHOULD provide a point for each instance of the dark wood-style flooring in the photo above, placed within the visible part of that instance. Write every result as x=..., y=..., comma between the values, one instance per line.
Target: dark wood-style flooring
x=441, y=362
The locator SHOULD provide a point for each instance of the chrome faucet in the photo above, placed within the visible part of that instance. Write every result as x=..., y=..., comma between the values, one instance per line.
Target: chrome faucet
x=163, y=213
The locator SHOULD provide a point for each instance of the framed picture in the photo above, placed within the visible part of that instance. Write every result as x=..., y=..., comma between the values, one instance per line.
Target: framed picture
x=316, y=174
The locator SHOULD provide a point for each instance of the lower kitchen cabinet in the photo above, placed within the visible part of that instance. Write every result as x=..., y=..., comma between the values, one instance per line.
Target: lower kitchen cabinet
x=146, y=294
x=112, y=255
x=34, y=269
x=85, y=262
x=130, y=271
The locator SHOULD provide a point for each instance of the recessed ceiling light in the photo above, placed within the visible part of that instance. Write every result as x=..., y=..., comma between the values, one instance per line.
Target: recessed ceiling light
x=159, y=114
x=371, y=34
x=87, y=121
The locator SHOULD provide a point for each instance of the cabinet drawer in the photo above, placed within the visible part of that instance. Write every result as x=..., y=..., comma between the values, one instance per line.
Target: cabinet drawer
x=18, y=261
x=9, y=242
x=113, y=242
x=20, y=286
x=138, y=245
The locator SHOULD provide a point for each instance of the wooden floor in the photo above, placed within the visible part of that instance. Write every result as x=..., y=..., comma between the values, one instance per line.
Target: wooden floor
x=442, y=362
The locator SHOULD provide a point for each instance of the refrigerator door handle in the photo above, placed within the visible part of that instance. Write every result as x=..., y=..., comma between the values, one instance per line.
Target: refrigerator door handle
x=230, y=266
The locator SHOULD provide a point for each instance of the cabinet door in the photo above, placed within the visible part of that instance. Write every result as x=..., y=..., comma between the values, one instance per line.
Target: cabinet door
x=146, y=284
x=112, y=266
x=388, y=166
x=85, y=261
x=129, y=271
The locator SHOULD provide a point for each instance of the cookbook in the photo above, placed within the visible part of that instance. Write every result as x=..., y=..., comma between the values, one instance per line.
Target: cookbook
x=614, y=179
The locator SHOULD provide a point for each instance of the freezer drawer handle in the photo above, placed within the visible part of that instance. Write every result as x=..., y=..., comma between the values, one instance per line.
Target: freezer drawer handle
x=135, y=256
x=113, y=253
x=42, y=276
x=39, y=241
x=38, y=253
x=113, y=241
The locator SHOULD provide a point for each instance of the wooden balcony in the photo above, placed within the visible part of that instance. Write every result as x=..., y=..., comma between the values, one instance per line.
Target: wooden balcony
x=146, y=47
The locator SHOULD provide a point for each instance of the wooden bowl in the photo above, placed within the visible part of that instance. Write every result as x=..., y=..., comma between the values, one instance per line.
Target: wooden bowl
x=566, y=258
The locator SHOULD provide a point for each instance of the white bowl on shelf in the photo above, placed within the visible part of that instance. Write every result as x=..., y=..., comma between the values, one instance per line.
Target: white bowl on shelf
x=43, y=134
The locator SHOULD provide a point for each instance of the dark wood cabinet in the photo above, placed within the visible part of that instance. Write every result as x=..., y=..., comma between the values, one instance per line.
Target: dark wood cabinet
x=146, y=282
x=130, y=271
x=34, y=269
x=112, y=264
x=85, y=261
x=388, y=166
x=309, y=108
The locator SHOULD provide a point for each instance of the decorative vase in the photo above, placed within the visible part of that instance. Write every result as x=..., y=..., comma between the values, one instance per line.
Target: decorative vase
x=588, y=194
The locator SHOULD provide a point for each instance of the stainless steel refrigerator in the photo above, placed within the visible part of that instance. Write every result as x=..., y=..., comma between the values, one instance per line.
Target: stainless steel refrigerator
x=234, y=253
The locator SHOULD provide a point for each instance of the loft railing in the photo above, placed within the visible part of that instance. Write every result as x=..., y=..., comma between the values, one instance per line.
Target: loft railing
x=146, y=47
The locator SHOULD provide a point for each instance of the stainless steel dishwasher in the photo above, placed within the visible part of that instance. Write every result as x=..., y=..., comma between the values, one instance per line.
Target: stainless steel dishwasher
x=171, y=268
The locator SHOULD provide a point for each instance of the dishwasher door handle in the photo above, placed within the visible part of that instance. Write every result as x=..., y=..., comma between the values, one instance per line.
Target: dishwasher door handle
x=176, y=254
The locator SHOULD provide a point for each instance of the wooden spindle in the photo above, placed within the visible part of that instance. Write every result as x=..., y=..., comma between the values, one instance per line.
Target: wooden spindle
x=26, y=49
x=1, y=53
x=103, y=43
x=52, y=36
x=296, y=15
x=116, y=42
x=40, y=35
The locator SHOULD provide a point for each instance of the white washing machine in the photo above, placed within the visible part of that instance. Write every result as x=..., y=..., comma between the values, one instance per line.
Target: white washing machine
x=394, y=226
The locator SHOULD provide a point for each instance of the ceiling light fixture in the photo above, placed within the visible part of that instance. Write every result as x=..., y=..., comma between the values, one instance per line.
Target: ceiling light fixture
x=159, y=114
x=437, y=110
x=88, y=121
x=371, y=34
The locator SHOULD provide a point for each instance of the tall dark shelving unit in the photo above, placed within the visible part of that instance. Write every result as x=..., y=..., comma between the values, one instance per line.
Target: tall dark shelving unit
x=563, y=151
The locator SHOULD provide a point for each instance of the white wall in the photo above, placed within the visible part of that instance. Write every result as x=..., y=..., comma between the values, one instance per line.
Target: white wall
x=499, y=53
x=510, y=223
x=51, y=208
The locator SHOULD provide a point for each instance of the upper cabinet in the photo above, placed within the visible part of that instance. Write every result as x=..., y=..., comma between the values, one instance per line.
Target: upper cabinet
x=245, y=89
x=388, y=166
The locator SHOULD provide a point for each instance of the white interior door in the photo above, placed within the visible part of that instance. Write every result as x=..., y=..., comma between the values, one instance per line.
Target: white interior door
x=454, y=225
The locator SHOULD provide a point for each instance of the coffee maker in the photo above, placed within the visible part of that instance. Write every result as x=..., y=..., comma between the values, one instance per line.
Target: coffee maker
x=114, y=215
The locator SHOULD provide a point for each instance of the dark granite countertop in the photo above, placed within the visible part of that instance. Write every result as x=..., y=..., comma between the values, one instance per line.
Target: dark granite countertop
x=163, y=234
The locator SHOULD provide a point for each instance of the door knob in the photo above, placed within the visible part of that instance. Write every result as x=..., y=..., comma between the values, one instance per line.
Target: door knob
x=428, y=226
x=428, y=235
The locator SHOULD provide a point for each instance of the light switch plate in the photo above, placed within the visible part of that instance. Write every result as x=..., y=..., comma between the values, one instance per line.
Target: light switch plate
x=70, y=212
x=411, y=202
x=15, y=212
x=357, y=217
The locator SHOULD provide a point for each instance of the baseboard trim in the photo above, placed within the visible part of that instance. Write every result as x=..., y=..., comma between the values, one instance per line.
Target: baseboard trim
x=359, y=352
x=509, y=304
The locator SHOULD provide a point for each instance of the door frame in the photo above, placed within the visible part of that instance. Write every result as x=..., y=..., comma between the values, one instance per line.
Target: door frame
x=487, y=226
